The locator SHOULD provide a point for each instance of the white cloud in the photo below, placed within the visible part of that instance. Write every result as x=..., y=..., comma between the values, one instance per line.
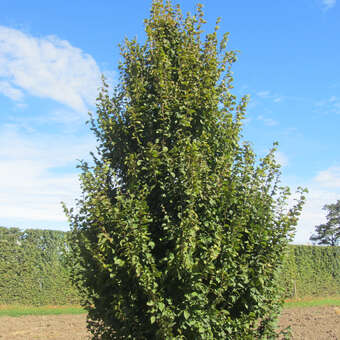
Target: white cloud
x=263, y=94
x=9, y=91
x=31, y=193
x=51, y=148
x=323, y=189
x=331, y=105
x=37, y=172
x=329, y=178
x=267, y=121
x=312, y=214
x=281, y=158
x=46, y=67
x=328, y=4
x=268, y=95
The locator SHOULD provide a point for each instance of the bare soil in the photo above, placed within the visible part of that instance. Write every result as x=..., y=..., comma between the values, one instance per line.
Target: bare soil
x=312, y=323
x=44, y=327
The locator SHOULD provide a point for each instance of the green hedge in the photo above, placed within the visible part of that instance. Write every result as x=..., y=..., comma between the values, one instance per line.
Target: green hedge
x=311, y=271
x=35, y=269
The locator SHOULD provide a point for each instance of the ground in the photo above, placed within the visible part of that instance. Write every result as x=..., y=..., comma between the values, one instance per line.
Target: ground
x=310, y=323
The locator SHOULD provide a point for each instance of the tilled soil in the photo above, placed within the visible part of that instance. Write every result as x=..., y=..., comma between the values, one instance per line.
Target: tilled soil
x=44, y=327
x=313, y=323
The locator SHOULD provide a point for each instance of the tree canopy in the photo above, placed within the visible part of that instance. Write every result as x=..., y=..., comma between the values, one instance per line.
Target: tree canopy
x=329, y=233
x=180, y=229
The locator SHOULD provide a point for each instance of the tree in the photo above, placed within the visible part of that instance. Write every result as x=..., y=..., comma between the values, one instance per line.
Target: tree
x=180, y=229
x=329, y=232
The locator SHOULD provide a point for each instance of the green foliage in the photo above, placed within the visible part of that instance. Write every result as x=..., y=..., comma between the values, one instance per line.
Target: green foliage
x=33, y=268
x=180, y=228
x=307, y=271
x=311, y=271
x=329, y=233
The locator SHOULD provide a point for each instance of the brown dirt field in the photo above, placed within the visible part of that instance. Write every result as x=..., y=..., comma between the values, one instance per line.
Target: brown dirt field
x=44, y=327
x=312, y=323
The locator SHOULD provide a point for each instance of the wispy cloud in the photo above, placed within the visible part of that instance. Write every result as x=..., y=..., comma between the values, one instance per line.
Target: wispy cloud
x=36, y=173
x=312, y=214
x=263, y=94
x=327, y=4
x=58, y=119
x=269, y=95
x=281, y=158
x=267, y=121
x=329, y=178
x=324, y=188
x=330, y=105
x=9, y=91
x=46, y=67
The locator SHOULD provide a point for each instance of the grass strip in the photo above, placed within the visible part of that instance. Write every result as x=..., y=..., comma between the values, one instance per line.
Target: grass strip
x=21, y=310
x=18, y=310
x=312, y=302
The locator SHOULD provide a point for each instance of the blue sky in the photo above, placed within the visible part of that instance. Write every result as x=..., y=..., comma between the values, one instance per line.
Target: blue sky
x=51, y=58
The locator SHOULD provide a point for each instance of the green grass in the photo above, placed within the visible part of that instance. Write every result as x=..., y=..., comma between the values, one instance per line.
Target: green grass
x=19, y=310
x=313, y=302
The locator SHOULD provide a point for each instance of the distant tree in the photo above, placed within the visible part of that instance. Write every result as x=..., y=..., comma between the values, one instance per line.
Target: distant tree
x=329, y=232
x=180, y=229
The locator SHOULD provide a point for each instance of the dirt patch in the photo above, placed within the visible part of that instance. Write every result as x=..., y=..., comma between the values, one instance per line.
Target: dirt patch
x=313, y=323
x=51, y=327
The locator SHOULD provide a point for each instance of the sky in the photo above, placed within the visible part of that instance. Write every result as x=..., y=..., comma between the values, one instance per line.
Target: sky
x=52, y=55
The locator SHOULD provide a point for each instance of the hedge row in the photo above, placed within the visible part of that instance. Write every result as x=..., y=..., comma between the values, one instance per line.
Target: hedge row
x=311, y=271
x=35, y=269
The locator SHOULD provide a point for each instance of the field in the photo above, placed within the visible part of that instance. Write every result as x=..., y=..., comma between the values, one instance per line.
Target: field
x=309, y=319
x=312, y=323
